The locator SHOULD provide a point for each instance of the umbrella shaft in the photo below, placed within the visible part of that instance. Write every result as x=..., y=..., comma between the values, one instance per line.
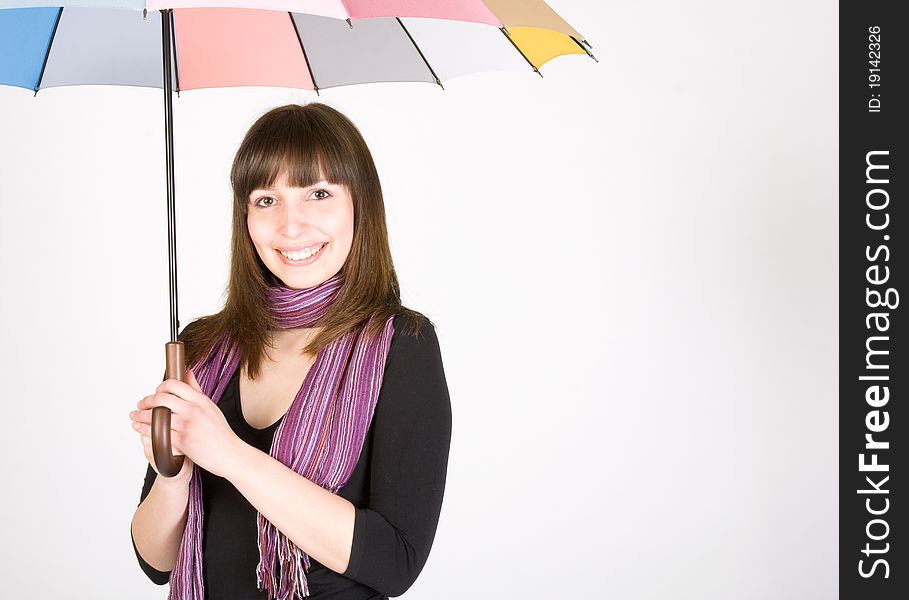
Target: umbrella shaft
x=169, y=150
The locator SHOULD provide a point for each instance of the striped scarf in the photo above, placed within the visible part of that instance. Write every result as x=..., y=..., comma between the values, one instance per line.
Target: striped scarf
x=320, y=437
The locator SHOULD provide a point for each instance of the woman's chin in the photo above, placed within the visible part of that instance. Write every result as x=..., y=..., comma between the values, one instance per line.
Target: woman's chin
x=301, y=281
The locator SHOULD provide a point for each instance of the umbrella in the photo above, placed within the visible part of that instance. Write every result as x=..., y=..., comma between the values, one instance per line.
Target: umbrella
x=310, y=44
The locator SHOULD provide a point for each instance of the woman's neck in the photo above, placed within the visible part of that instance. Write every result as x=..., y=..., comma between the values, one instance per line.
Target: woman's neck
x=289, y=342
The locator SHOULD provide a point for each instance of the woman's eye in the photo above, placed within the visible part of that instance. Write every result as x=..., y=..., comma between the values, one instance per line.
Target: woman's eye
x=268, y=201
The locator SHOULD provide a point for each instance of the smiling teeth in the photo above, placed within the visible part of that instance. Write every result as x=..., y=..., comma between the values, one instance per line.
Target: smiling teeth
x=302, y=255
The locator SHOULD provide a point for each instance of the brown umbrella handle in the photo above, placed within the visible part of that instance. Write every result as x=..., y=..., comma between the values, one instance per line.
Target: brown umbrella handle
x=168, y=465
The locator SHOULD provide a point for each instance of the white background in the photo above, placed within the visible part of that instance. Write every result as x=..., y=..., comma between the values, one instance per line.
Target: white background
x=631, y=265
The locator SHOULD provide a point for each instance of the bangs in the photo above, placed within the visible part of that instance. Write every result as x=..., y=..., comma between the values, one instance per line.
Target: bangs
x=294, y=147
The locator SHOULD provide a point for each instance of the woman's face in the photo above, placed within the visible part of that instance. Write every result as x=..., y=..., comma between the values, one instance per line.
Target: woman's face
x=288, y=224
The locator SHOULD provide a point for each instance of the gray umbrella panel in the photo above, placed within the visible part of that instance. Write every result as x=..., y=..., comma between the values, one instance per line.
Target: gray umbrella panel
x=373, y=50
x=105, y=47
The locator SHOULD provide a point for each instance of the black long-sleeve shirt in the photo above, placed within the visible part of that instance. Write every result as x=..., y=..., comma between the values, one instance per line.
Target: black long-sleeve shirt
x=396, y=487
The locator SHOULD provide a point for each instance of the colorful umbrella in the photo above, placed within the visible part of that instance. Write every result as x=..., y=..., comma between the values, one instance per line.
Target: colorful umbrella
x=308, y=44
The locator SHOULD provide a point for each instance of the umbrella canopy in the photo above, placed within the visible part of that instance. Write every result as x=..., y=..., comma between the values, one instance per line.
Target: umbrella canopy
x=307, y=44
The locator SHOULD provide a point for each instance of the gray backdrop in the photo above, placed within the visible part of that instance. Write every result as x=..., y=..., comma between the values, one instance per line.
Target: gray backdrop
x=632, y=266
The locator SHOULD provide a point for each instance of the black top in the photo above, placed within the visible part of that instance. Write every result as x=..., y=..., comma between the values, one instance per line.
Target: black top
x=396, y=487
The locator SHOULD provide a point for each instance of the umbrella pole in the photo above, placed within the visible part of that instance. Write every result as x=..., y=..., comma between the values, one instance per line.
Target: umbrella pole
x=169, y=465
x=169, y=150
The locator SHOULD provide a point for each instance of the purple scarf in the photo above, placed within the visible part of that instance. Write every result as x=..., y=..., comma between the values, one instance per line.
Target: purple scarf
x=320, y=437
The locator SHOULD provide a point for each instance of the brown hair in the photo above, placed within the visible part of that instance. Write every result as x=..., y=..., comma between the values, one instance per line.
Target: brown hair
x=307, y=142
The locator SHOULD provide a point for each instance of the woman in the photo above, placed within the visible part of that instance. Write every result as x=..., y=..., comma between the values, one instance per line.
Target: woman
x=315, y=420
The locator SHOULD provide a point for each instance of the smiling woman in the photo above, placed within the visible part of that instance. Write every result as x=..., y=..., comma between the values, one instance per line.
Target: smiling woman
x=316, y=419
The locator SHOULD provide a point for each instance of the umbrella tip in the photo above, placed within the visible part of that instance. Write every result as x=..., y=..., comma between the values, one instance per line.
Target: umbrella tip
x=349, y=24
x=585, y=46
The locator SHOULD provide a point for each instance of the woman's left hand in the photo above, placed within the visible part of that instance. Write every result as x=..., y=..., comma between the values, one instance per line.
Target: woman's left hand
x=198, y=426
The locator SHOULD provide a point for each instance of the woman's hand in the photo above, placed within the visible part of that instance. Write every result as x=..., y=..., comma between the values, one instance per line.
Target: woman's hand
x=198, y=427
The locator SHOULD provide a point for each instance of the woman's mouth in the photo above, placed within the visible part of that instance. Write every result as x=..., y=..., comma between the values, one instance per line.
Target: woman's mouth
x=301, y=258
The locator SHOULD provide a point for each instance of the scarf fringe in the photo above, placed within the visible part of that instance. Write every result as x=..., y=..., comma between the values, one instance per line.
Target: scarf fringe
x=292, y=564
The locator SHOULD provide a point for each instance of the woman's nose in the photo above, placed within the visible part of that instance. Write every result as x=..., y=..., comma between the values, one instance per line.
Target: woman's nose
x=294, y=218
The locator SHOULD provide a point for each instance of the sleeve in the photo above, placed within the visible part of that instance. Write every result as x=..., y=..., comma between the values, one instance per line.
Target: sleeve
x=393, y=535
x=157, y=577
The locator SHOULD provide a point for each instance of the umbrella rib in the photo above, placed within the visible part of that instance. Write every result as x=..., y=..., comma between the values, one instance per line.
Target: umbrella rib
x=428, y=66
x=173, y=45
x=505, y=32
x=47, y=53
x=303, y=50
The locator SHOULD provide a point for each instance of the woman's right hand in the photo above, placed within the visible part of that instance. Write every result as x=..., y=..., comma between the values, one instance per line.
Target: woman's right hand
x=142, y=424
